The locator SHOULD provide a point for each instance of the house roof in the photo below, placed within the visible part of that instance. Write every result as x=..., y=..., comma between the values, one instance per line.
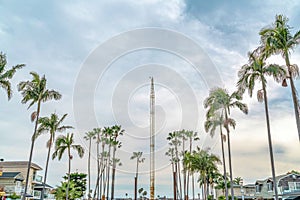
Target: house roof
x=14, y=175
x=40, y=185
x=9, y=174
x=18, y=164
x=249, y=186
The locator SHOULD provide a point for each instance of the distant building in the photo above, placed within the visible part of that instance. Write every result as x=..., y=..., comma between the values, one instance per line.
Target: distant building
x=288, y=186
x=11, y=182
x=13, y=178
x=240, y=191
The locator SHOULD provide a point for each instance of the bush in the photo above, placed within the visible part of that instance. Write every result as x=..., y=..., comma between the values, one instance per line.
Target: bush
x=229, y=197
x=14, y=196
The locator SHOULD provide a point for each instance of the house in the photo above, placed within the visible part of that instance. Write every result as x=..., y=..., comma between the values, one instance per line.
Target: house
x=11, y=182
x=288, y=187
x=241, y=191
x=17, y=171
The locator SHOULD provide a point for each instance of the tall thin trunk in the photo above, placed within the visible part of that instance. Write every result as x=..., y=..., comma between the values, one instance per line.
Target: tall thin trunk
x=46, y=168
x=224, y=164
x=136, y=178
x=89, y=169
x=229, y=156
x=113, y=174
x=69, y=172
x=270, y=141
x=178, y=172
x=294, y=94
x=184, y=172
x=193, y=188
x=31, y=149
x=135, y=188
x=113, y=183
x=98, y=164
x=174, y=185
x=108, y=173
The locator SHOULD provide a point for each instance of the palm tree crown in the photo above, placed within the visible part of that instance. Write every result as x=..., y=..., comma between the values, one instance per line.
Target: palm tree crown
x=278, y=39
x=6, y=75
x=35, y=91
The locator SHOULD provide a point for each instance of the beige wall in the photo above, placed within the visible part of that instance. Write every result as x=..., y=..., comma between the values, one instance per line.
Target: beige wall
x=23, y=171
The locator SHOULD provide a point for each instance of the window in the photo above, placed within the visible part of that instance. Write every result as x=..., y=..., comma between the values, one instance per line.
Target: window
x=270, y=186
x=297, y=185
x=258, y=188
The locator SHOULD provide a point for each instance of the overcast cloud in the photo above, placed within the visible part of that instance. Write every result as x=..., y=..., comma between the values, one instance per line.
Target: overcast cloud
x=59, y=39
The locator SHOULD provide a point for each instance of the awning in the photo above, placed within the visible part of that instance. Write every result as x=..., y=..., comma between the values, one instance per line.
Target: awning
x=293, y=198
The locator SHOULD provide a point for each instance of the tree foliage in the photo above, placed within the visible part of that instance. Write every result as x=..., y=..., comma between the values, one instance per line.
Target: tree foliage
x=77, y=187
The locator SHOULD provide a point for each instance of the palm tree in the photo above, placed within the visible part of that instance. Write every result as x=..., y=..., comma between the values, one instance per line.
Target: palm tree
x=50, y=125
x=238, y=180
x=35, y=92
x=97, y=132
x=138, y=156
x=174, y=141
x=192, y=136
x=278, y=39
x=203, y=163
x=89, y=136
x=66, y=143
x=6, y=75
x=255, y=70
x=220, y=99
x=211, y=124
x=117, y=131
x=171, y=154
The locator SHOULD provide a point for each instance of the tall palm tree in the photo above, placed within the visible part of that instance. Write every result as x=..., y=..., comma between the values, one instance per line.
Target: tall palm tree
x=89, y=136
x=257, y=70
x=97, y=132
x=117, y=131
x=278, y=39
x=66, y=143
x=138, y=156
x=6, y=75
x=192, y=136
x=212, y=123
x=35, y=92
x=220, y=99
x=174, y=141
x=50, y=125
x=171, y=154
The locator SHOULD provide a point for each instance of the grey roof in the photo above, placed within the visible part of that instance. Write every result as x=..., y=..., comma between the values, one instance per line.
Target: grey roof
x=40, y=185
x=14, y=175
x=18, y=164
x=9, y=174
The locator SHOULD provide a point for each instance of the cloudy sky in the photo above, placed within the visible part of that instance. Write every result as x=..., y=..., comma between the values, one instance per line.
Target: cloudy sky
x=100, y=54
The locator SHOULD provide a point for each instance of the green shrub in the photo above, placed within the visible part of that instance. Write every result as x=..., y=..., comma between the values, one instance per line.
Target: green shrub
x=14, y=196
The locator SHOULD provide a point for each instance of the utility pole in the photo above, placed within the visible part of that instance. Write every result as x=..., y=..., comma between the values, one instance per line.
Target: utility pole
x=152, y=140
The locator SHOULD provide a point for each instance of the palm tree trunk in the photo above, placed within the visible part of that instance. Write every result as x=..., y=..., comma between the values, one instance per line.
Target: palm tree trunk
x=89, y=169
x=113, y=183
x=193, y=188
x=98, y=164
x=113, y=174
x=69, y=172
x=31, y=149
x=270, y=141
x=229, y=157
x=184, y=171
x=46, y=168
x=108, y=174
x=224, y=164
x=178, y=174
x=294, y=94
